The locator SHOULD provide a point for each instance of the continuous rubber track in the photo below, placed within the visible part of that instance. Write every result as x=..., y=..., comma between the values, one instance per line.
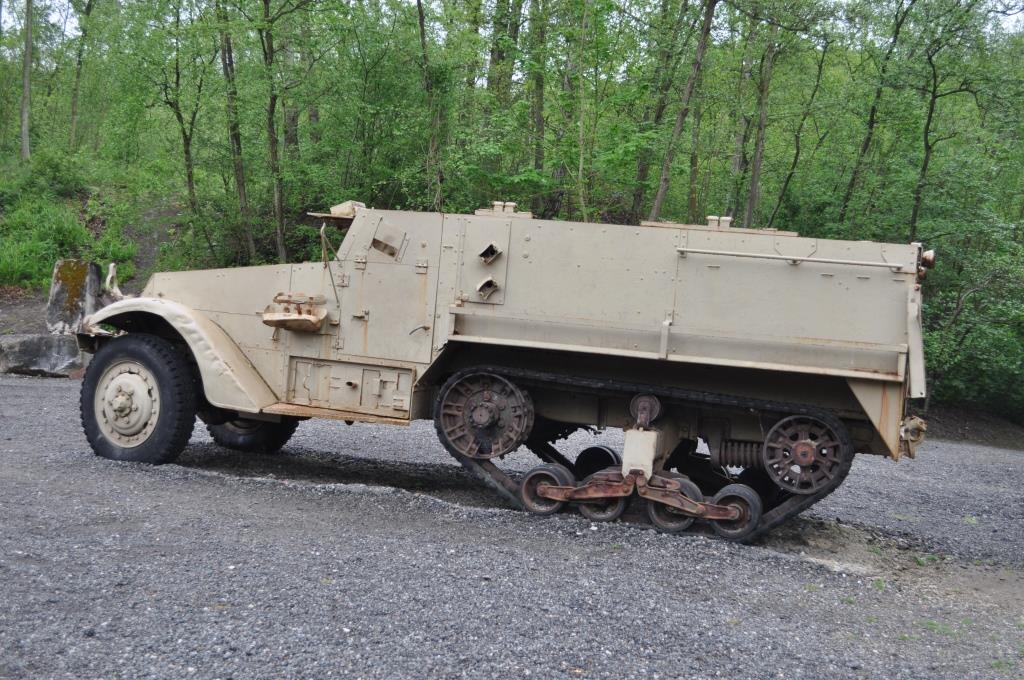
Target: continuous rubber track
x=793, y=504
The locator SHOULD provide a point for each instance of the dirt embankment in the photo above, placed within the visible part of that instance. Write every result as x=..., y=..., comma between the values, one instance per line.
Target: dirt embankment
x=966, y=424
x=22, y=311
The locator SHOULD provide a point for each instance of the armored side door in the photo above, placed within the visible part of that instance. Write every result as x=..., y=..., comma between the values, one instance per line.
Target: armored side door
x=389, y=287
x=385, y=286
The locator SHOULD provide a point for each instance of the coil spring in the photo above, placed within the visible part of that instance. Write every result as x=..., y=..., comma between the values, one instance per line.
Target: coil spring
x=737, y=453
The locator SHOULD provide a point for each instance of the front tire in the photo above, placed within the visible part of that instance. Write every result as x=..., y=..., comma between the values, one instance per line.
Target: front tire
x=138, y=400
x=253, y=436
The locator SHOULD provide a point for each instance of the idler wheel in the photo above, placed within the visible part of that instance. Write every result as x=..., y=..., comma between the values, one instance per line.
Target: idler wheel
x=594, y=459
x=669, y=520
x=744, y=499
x=548, y=474
x=604, y=509
x=802, y=454
x=482, y=415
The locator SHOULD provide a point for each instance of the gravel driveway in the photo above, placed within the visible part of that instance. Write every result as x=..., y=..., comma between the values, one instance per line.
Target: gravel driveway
x=363, y=551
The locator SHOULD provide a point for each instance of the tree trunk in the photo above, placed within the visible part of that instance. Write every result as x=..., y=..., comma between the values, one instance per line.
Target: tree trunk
x=26, y=79
x=922, y=176
x=474, y=13
x=190, y=174
x=227, y=61
x=190, y=181
x=739, y=163
x=266, y=33
x=767, y=64
x=869, y=134
x=312, y=110
x=83, y=25
x=684, y=108
x=581, y=187
x=691, y=213
x=554, y=201
x=434, y=172
x=538, y=63
x=499, y=23
x=798, y=135
x=664, y=76
x=291, y=128
x=504, y=41
x=290, y=109
x=274, y=155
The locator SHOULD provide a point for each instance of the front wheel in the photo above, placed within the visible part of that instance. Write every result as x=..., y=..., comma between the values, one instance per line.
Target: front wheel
x=253, y=436
x=138, y=400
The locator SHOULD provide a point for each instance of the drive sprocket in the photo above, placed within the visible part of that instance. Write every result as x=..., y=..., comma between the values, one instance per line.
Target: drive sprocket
x=482, y=415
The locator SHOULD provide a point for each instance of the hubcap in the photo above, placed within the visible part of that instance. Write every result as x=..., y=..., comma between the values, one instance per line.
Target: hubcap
x=127, y=403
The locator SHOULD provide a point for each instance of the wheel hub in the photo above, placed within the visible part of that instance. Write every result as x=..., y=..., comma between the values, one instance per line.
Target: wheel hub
x=802, y=454
x=127, y=403
x=482, y=415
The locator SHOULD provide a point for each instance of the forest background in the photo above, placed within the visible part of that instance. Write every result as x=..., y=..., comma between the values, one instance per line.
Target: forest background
x=206, y=129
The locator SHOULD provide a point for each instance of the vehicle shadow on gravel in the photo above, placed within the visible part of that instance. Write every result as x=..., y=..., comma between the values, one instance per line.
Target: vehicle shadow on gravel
x=833, y=545
x=448, y=482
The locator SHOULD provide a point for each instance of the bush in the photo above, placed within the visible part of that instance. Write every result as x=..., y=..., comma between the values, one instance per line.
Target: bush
x=39, y=230
x=50, y=174
x=56, y=173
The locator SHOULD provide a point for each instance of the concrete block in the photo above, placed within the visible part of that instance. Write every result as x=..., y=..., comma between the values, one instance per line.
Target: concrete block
x=55, y=356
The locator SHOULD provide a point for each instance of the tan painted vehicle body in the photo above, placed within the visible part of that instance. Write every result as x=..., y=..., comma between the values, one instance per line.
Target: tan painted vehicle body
x=371, y=332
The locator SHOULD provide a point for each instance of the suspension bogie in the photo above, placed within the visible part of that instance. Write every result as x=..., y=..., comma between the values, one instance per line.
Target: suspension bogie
x=689, y=456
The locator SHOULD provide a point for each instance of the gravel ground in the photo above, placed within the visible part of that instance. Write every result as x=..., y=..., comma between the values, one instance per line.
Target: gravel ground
x=362, y=551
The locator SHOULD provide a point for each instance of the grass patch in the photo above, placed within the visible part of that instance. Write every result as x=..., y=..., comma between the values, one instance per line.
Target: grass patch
x=879, y=584
x=1003, y=665
x=938, y=628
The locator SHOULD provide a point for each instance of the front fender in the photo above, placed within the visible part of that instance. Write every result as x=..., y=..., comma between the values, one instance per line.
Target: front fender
x=229, y=379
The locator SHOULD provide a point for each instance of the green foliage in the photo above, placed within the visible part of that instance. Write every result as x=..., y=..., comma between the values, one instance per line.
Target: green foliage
x=36, y=233
x=567, y=107
x=45, y=213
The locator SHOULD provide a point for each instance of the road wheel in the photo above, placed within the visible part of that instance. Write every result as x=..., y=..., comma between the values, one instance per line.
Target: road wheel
x=549, y=474
x=138, y=400
x=744, y=499
x=669, y=520
x=604, y=509
x=594, y=459
x=253, y=436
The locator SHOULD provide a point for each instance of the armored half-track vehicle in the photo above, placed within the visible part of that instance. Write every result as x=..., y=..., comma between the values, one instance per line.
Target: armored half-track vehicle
x=746, y=367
